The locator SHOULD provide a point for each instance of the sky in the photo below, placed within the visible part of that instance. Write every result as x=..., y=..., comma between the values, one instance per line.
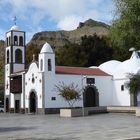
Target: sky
x=51, y=15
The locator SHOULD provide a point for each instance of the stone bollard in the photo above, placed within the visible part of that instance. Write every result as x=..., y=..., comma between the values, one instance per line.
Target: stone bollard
x=138, y=112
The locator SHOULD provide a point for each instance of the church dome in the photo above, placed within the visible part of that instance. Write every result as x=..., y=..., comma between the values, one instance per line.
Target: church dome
x=122, y=69
x=109, y=66
x=15, y=28
x=46, y=48
x=131, y=65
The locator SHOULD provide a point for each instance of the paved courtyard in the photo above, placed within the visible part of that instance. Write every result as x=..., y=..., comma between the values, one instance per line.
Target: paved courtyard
x=53, y=127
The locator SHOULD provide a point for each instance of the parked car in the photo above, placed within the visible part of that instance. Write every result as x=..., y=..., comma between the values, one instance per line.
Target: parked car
x=1, y=108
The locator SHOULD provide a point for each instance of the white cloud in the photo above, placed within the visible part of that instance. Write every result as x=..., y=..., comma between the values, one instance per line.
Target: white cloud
x=69, y=23
x=65, y=13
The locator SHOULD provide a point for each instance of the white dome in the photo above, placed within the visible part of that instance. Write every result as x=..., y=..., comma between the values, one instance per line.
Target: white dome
x=131, y=65
x=15, y=28
x=110, y=66
x=122, y=69
x=46, y=48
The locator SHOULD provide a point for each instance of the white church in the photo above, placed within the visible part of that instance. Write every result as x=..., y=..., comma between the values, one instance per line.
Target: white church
x=32, y=90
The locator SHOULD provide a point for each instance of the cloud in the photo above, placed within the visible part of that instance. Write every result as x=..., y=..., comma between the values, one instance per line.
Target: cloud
x=62, y=14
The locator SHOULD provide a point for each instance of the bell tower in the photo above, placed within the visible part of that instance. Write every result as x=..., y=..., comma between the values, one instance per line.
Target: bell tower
x=14, y=58
x=15, y=50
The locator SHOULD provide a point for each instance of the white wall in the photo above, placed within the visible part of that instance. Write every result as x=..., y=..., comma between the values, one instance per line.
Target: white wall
x=120, y=98
x=103, y=84
x=18, y=67
x=35, y=87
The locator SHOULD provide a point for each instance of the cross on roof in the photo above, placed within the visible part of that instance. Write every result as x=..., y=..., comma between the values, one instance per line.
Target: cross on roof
x=15, y=19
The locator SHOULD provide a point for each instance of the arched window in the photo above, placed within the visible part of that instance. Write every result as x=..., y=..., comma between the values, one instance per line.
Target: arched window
x=41, y=64
x=20, y=41
x=49, y=65
x=9, y=40
x=7, y=55
x=15, y=40
x=18, y=56
x=122, y=87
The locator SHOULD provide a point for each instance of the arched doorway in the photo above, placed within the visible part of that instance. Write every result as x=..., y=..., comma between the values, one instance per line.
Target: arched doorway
x=32, y=103
x=91, y=97
x=7, y=105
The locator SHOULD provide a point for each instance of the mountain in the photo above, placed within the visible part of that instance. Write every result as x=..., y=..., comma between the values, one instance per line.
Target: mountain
x=61, y=38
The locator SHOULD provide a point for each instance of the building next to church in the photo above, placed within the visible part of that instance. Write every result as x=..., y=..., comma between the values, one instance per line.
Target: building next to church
x=32, y=90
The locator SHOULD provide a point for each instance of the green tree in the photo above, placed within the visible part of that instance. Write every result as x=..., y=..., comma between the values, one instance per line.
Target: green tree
x=30, y=50
x=93, y=50
x=134, y=87
x=96, y=49
x=69, y=93
x=125, y=30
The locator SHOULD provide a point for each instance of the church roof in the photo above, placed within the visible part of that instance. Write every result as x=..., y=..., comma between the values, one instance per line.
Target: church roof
x=80, y=71
x=46, y=48
x=15, y=28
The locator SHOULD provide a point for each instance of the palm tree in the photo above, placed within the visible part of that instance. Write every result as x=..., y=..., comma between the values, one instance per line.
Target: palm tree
x=134, y=87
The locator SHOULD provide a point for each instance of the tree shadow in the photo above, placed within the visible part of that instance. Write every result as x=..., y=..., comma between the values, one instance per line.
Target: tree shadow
x=10, y=129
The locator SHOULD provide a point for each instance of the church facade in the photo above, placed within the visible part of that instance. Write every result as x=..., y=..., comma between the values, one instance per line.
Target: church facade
x=32, y=90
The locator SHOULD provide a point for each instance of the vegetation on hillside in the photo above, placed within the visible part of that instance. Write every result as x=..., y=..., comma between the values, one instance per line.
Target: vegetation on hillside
x=93, y=50
x=30, y=50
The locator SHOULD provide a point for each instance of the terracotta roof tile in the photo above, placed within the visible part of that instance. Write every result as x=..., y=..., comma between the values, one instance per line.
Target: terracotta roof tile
x=80, y=71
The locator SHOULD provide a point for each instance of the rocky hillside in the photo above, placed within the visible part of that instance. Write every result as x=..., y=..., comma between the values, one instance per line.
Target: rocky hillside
x=60, y=38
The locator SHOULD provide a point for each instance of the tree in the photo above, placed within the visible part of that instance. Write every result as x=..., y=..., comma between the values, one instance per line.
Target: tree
x=125, y=31
x=92, y=51
x=31, y=49
x=69, y=93
x=134, y=87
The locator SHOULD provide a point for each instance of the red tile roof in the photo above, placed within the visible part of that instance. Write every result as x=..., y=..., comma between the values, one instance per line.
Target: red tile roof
x=80, y=71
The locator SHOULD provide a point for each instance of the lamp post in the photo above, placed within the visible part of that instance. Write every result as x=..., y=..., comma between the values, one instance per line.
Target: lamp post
x=83, y=111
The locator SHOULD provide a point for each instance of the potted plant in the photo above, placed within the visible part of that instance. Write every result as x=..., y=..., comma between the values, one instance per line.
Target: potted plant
x=70, y=93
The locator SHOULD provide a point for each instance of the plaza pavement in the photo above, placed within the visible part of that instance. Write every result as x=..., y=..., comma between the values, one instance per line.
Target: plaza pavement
x=52, y=127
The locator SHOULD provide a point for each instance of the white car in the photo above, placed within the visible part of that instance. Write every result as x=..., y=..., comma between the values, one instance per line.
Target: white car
x=1, y=108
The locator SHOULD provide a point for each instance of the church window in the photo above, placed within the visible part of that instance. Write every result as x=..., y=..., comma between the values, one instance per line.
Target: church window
x=49, y=65
x=33, y=80
x=122, y=87
x=21, y=41
x=53, y=98
x=41, y=64
x=15, y=40
x=7, y=56
x=9, y=40
x=18, y=56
